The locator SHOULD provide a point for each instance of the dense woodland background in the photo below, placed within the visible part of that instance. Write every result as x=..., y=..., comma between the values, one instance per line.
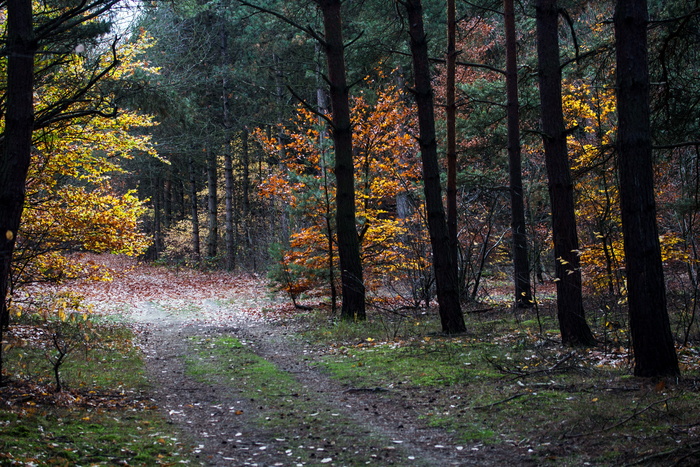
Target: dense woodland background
x=205, y=134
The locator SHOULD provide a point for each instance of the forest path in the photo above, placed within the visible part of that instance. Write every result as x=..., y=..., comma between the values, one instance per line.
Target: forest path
x=178, y=315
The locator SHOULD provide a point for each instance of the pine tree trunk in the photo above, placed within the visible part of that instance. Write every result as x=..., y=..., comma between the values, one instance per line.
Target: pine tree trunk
x=157, y=218
x=353, y=289
x=245, y=156
x=652, y=340
x=212, y=205
x=195, y=212
x=446, y=281
x=451, y=122
x=521, y=264
x=322, y=106
x=168, y=201
x=570, y=311
x=229, y=240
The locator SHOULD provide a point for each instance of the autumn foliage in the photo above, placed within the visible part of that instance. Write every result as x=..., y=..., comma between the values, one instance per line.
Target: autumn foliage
x=386, y=171
x=72, y=204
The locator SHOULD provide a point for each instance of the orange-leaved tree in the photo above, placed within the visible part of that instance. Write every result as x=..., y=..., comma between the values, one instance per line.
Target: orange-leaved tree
x=386, y=169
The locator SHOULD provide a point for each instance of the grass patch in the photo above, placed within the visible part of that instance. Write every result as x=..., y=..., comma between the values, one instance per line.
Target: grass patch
x=42, y=435
x=102, y=416
x=507, y=384
x=283, y=407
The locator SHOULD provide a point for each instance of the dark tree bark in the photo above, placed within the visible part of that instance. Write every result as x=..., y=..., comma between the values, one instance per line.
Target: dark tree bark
x=521, y=265
x=572, y=320
x=195, y=212
x=245, y=161
x=353, y=289
x=446, y=281
x=157, y=217
x=212, y=204
x=451, y=123
x=16, y=141
x=652, y=340
x=322, y=106
x=228, y=186
x=168, y=201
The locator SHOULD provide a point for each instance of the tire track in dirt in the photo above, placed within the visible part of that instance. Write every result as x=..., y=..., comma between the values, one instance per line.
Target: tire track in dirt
x=168, y=309
x=217, y=418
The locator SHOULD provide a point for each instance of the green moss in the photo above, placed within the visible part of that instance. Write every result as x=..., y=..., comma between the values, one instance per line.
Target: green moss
x=34, y=433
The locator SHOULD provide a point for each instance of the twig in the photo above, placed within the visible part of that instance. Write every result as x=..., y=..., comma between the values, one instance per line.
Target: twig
x=645, y=460
x=618, y=424
x=552, y=368
x=492, y=405
x=375, y=389
x=480, y=310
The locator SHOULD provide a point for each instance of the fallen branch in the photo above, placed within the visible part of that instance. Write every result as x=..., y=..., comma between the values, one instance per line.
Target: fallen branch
x=660, y=455
x=375, y=389
x=479, y=310
x=503, y=401
x=551, y=369
x=618, y=424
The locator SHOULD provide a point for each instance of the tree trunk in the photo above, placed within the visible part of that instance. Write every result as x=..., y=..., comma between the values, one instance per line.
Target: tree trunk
x=353, y=289
x=16, y=141
x=229, y=241
x=572, y=321
x=652, y=340
x=157, y=217
x=168, y=201
x=245, y=156
x=521, y=266
x=443, y=262
x=322, y=106
x=451, y=122
x=195, y=212
x=212, y=204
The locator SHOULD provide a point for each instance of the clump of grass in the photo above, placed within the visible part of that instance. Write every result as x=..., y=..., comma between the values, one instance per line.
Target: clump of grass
x=284, y=407
x=509, y=384
x=102, y=415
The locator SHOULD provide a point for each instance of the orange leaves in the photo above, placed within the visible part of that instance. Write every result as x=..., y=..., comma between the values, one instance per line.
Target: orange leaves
x=303, y=182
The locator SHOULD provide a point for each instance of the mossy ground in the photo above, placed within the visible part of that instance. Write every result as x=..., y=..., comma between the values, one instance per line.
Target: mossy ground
x=506, y=383
x=102, y=417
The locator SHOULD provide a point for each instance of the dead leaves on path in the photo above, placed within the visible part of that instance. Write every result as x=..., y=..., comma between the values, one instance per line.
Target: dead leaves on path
x=134, y=282
x=26, y=395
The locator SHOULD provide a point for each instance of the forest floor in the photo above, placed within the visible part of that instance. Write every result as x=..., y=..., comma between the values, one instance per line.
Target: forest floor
x=178, y=314
x=248, y=380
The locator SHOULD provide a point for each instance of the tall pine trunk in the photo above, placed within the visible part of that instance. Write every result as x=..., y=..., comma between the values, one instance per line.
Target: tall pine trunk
x=570, y=311
x=228, y=187
x=16, y=148
x=451, y=123
x=521, y=264
x=652, y=340
x=353, y=289
x=212, y=204
x=322, y=106
x=194, y=212
x=446, y=281
x=157, y=217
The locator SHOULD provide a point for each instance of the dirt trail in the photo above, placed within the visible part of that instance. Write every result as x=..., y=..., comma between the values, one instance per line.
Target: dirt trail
x=217, y=418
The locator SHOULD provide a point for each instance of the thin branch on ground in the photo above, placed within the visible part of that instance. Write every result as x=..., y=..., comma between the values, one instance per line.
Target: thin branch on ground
x=622, y=422
x=660, y=455
x=503, y=401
